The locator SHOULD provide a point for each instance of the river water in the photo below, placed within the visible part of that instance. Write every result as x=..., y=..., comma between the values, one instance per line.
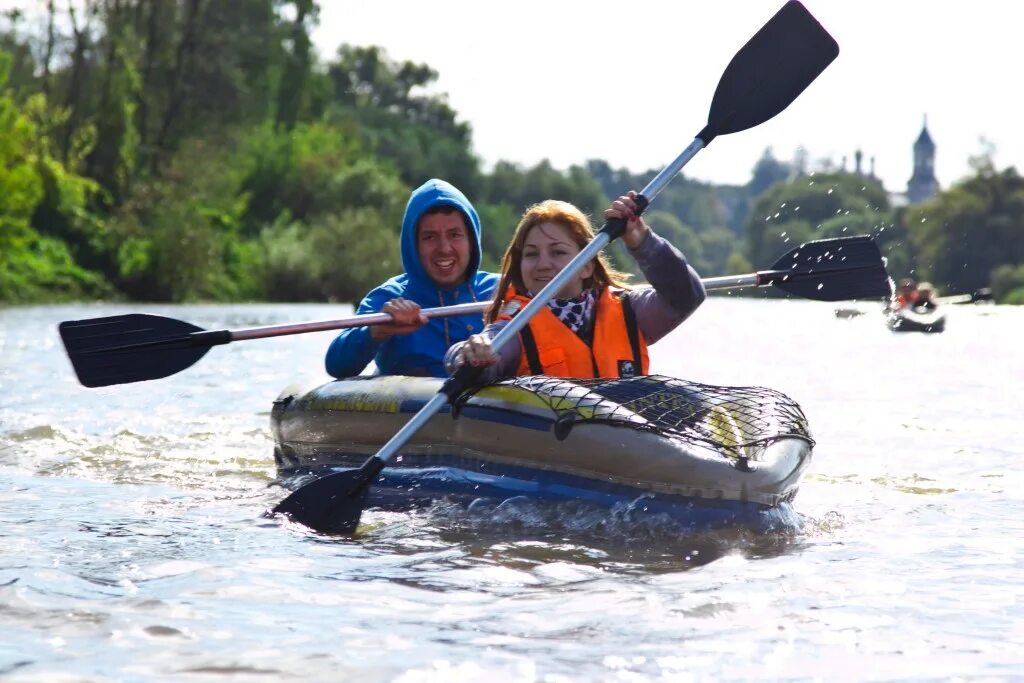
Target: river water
x=134, y=546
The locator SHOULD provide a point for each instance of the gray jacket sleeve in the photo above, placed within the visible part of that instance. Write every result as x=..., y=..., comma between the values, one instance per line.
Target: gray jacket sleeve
x=675, y=292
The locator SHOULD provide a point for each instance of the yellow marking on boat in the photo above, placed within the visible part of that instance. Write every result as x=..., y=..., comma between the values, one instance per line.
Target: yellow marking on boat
x=601, y=407
x=513, y=395
x=357, y=404
x=727, y=431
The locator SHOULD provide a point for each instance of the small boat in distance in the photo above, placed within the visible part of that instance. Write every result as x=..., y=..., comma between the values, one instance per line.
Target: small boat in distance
x=915, y=309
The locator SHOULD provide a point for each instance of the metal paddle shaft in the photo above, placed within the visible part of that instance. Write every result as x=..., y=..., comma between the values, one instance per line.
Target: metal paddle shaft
x=135, y=347
x=762, y=79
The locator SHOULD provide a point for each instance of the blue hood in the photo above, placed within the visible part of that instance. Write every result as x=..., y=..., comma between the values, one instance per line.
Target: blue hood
x=429, y=195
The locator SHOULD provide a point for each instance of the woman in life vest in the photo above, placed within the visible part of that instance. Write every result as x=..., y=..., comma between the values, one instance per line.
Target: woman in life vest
x=596, y=326
x=906, y=294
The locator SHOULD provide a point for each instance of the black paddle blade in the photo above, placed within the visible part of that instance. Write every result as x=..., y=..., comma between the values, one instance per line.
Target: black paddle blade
x=770, y=71
x=331, y=504
x=129, y=348
x=832, y=270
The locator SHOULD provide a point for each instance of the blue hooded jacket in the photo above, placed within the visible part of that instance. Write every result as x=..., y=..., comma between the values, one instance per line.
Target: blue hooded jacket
x=422, y=352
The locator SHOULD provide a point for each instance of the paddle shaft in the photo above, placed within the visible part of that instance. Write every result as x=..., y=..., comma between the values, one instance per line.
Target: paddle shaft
x=342, y=323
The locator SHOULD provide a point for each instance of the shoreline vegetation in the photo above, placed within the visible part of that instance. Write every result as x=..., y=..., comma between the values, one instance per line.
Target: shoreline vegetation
x=200, y=151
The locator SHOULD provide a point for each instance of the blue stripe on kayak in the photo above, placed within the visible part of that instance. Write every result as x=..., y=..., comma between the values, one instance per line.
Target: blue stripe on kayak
x=485, y=414
x=464, y=480
x=507, y=417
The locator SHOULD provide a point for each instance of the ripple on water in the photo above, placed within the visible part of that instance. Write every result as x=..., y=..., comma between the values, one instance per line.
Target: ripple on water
x=134, y=549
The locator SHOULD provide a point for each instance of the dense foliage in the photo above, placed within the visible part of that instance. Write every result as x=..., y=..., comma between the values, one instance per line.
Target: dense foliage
x=200, y=150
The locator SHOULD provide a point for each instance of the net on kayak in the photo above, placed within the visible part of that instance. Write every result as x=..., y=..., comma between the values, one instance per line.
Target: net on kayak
x=736, y=421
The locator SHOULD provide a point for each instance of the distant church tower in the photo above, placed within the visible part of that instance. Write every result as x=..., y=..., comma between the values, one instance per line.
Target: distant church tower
x=923, y=184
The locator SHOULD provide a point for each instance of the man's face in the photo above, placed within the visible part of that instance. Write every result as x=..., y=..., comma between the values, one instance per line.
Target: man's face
x=442, y=240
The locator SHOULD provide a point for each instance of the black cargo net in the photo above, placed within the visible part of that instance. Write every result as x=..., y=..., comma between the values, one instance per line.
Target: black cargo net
x=735, y=421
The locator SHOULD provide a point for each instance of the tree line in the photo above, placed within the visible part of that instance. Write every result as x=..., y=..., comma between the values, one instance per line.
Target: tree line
x=199, y=150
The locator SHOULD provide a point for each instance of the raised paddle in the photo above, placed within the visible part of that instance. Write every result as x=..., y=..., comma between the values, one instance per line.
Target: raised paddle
x=119, y=349
x=768, y=73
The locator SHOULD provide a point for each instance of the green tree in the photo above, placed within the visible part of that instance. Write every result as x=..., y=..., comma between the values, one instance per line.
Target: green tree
x=767, y=171
x=21, y=64
x=521, y=188
x=498, y=223
x=968, y=231
x=112, y=160
x=679, y=234
x=337, y=257
x=1008, y=284
x=33, y=266
x=297, y=172
x=717, y=245
x=178, y=237
x=292, y=91
x=813, y=207
x=418, y=132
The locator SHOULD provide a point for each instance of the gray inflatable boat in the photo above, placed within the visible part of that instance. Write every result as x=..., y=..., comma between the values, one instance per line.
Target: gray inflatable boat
x=704, y=455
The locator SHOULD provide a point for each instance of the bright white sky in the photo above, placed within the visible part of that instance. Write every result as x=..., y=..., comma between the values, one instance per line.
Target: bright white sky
x=547, y=79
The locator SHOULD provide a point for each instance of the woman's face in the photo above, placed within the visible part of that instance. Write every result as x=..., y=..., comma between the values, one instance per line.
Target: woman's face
x=547, y=250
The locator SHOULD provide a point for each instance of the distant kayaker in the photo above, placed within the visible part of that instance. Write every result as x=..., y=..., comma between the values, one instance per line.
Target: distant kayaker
x=924, y=299
x=906, y=293
x=440, y=244
x=596, y=326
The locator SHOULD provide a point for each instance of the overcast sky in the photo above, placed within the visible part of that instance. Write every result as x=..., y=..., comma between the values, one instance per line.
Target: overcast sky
x=631, y=82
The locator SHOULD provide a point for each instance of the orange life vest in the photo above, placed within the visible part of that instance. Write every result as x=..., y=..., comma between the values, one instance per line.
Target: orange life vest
x=617, y=347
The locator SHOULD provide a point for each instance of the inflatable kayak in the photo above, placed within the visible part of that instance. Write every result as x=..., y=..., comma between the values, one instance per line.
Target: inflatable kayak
x=916, y=320
x=702, y=454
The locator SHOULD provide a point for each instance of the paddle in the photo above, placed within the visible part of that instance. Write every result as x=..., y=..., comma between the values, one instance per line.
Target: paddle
x=762, y=79
x=827, y=270
x=136, y=347
x=983, y=294
x=119, y=349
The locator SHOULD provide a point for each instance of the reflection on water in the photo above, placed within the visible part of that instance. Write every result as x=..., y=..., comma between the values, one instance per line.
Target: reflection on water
x=525, y=534
x=135, y=548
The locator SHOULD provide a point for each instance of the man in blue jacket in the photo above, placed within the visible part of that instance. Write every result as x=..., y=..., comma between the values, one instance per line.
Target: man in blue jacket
x=440, y=243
